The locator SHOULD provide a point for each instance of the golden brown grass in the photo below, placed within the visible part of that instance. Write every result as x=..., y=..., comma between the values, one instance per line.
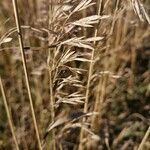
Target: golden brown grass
x=85, y=72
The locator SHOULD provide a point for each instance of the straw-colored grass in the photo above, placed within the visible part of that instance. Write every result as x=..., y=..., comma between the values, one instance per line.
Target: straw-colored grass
x=15, y=5
x=85, y=73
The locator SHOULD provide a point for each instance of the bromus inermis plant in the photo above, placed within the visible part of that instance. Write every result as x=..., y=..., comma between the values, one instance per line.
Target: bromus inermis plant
x=85, y=70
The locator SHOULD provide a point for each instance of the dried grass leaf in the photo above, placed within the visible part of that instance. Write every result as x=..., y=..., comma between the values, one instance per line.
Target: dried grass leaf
x=145, y=14
x=89, y=21
x=140, y=10
x=81, y=125
x=56, y=124
x=71, y=40
x=6, y=40
x=73, y=101
x=92, y=39
x=78, y=42
x=74, y=98
x=83, y=5
x=68, y=56
x=82, y=59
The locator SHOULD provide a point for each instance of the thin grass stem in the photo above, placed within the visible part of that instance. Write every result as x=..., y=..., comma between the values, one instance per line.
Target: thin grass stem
x=89, y=79
x=50, y=64
x=25, y=70
x=8, y=115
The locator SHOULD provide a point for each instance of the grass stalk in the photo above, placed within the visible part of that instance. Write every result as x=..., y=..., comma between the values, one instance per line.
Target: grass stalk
x=51, y=96
x=114, y=17
x=100, y=97
x=103, y=80
x=50, y=64
x=8, y=115
x=25, y=69
x=89, y=78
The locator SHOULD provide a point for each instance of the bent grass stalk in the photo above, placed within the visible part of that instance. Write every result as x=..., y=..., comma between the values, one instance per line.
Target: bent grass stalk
x=8, y=115
x=25, y=70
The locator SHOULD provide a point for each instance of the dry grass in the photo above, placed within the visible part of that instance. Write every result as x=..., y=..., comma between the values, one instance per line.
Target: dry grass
x=25, y=68
x=8, y=115
x=85, y=75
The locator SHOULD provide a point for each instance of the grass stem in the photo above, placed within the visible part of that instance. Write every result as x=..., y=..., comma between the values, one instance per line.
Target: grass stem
x=8, y=115
x=89, y=78
x=25, y=69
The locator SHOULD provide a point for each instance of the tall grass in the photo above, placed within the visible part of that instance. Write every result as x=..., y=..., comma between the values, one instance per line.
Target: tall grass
x=85, y=67
x=90, y=72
